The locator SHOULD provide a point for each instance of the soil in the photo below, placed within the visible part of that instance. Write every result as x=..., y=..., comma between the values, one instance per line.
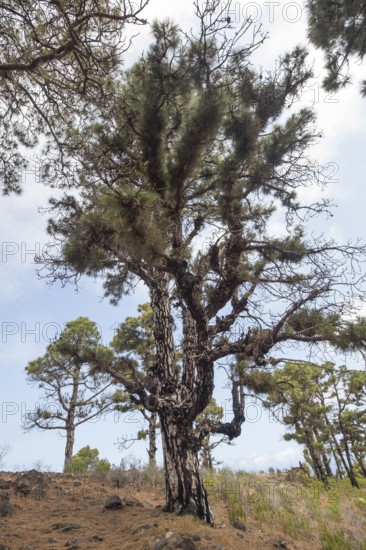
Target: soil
x=60, y=511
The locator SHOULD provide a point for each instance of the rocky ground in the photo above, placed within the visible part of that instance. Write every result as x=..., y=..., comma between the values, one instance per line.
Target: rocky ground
x=57, y=511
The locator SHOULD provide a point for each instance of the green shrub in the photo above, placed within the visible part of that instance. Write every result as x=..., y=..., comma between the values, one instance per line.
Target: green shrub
x=101, y=466
x=87, y=460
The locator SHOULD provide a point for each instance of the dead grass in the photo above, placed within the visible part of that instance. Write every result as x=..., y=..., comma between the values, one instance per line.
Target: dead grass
x=272, y=508
x=300, y=508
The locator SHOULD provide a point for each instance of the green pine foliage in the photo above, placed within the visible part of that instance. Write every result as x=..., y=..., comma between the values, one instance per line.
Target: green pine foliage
x=87, y=460
x=54, y=58
x=339, y=29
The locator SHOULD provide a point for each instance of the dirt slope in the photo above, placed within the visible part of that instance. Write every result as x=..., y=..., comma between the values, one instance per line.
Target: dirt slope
x=58, y=511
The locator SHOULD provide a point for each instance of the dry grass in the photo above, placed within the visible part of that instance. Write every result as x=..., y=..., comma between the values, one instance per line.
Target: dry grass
x=301, y=508
x=272, y=507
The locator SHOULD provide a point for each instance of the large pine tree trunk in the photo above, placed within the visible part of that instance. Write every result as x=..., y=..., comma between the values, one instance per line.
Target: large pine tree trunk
x=185, y=492
x=182, y=397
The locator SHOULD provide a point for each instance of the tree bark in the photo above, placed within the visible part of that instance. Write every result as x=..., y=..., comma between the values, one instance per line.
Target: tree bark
x=163, y=334
x=178, y=404
x=70, y=423
x=318, y=467
x=152, y=439
x=207, y=461
x=185, y=492
x=350, y=472
x=69, y=448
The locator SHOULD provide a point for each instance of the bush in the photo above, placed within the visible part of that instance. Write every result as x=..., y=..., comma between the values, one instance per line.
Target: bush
x=87, y=460
x=101, y=467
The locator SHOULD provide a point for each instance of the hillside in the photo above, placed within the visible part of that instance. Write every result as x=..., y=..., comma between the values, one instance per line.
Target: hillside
x=57, y=511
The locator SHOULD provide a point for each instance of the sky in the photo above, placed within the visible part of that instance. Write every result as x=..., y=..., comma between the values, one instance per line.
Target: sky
x=33, y=313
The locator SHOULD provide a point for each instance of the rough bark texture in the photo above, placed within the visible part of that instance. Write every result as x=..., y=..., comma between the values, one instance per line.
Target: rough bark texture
x=152, y=439
x=185, y=492
x=163, y=332
x=70, y=424
x=69, y=448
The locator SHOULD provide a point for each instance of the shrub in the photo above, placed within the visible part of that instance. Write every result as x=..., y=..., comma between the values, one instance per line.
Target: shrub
x=87, y=460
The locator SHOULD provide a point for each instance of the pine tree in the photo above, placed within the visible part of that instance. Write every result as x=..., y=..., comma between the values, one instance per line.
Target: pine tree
x=176, y=182
x=341, y=395
x=73, y=392
x=293, y=392
x=134, y=338
x=322, y=407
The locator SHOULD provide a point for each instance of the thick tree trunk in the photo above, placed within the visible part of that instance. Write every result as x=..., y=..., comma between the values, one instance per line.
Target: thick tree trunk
x=163, y=334
x=181, y=397
x=185, y=492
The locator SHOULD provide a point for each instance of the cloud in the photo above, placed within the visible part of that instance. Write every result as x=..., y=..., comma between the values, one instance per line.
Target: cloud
x=285, y=458
x=291, y=454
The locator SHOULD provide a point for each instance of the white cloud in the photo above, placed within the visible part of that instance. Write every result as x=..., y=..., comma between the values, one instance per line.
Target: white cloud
x=291, y=454
x=285, y=458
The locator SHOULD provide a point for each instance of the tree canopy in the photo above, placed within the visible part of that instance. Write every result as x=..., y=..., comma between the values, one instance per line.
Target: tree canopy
x=339, y=29
x=323, y=408
x=54, y=55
